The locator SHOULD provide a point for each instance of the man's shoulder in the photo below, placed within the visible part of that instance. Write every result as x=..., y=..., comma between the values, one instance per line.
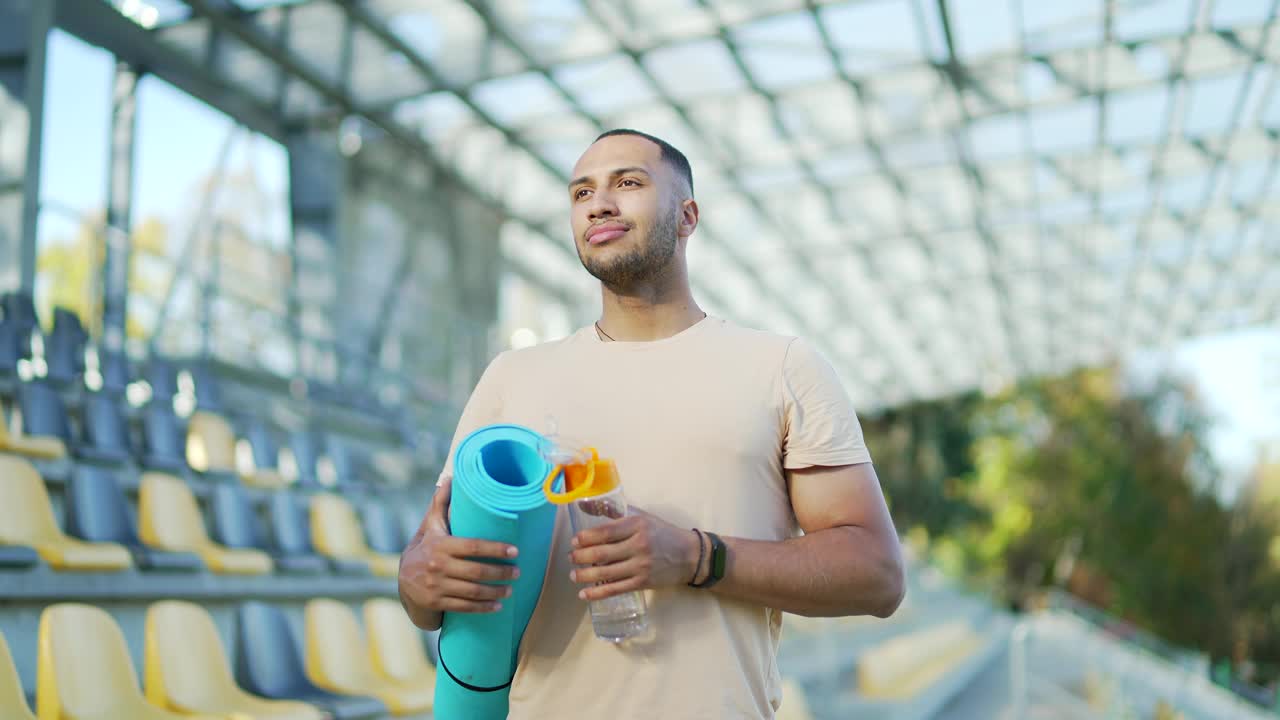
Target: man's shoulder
x=741, y=336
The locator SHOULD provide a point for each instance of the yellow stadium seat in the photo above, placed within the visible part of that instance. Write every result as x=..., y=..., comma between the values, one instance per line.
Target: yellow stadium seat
x=26, y=518
x=33, y=446
x=395, y=644
x=186, y=669
x=83, y=669
x=169, y=519
x=211, y=443
x=212, y=447
x=905, y=665
x=338, y=661
x=336, y=533
x=13, y=701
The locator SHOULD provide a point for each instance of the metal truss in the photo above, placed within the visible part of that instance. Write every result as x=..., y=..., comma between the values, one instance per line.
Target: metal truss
x=944, y=194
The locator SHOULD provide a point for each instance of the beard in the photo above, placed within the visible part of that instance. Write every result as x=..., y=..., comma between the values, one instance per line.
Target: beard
x=644, y=262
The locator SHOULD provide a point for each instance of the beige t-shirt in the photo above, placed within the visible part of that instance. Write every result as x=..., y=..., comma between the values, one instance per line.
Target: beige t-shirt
x=702, y=425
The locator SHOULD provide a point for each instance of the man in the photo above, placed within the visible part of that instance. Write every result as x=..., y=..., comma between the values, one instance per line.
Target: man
x=742, y=434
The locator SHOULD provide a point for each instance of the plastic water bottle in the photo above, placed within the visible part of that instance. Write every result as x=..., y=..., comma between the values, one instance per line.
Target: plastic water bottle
x=592, y=491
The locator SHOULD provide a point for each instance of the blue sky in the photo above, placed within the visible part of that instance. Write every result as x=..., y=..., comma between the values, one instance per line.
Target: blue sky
x=179, y=139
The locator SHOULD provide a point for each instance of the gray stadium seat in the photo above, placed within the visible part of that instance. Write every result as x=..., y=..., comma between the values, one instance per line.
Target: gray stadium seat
x=269, y=663
x=98, y=511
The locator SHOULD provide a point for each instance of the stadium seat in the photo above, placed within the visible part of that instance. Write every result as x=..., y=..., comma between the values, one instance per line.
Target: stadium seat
x=269, y=663
x=208, y=392
x=306, y=457
x=905, y=665
x=185, y=669
x=114, y=367
x=162, y=376
x=163, y=438
x=381, y=528
x=410, y=519
x=170, y=519
x=98, y=511
x=236, y=525
x=64, y=348
x=13, y=700
x=83, y=669
x=18, y=556
x=26, y=519
x=352, y=466
x=10, y=349
x=106, y=434
x=291, y=538
x=395, y=644
x=211, y=444
x=28, y=445
x=338, y=660
x=265, y=471
x=20, y=310
x=336, y=534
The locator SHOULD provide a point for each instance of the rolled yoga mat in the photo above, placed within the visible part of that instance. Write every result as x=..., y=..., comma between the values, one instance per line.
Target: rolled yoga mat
x=498, y=473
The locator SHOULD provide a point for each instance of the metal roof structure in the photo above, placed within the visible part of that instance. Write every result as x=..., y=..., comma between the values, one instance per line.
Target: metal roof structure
x=944, y=194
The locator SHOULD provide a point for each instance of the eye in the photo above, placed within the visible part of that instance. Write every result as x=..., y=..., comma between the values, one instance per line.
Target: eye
x=632, y=181
x=580, y=193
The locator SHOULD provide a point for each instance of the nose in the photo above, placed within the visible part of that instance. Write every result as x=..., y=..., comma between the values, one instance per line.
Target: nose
x=601, y=206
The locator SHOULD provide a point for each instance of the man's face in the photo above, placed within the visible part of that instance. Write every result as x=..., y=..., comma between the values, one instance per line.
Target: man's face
x=625, y=211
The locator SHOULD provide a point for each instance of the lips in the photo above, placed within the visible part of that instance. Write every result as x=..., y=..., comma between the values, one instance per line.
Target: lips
x=605, y=232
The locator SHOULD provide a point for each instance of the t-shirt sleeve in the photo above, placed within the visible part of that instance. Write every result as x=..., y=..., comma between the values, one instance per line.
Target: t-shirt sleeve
x=820, y=427
x=484, y=407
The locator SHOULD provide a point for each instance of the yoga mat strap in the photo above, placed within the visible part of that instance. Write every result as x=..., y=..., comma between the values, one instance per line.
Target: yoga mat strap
x=464, y=683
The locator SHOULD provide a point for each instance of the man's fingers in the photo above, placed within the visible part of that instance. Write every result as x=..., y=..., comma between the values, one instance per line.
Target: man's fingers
x=602, y=554
x=480, y=571
x=613, y=572
x=622, y=587
x=478, y=592
x=610, y=532
x=459, y=605
x=461, y=547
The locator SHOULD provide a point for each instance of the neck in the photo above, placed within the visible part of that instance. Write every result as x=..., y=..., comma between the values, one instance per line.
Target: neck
x=652, y=312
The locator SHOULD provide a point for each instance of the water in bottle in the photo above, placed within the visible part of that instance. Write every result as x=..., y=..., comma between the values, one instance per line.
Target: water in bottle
x=592, y=491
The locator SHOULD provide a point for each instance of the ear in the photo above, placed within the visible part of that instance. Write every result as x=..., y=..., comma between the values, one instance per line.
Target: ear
x=688, y=218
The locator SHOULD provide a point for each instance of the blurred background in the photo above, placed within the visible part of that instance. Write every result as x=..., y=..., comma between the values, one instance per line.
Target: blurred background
x=254, y=255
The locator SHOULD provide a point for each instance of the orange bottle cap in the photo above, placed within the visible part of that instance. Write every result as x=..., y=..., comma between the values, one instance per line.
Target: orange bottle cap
x=581, y=480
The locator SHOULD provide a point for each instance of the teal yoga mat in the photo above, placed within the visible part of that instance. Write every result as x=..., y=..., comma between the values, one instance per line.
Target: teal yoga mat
x=497, y=495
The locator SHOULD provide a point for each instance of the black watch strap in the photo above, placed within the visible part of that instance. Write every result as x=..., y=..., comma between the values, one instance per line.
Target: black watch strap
x=717, y=560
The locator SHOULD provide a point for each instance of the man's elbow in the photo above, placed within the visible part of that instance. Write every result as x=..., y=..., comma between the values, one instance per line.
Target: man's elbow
x=892, y=588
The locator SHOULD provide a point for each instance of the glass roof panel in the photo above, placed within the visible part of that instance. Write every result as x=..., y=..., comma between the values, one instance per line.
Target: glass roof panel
x=784, y=51
x=516, y=100
x=605, y=85
x=692, y=69
x=873, y=36
x=843, y=144
x=553, y=31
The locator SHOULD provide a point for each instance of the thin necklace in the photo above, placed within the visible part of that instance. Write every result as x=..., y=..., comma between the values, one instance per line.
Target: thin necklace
x=602, y=332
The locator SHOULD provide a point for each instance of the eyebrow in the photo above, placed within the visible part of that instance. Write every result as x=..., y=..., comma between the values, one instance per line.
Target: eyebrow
x=620, y=171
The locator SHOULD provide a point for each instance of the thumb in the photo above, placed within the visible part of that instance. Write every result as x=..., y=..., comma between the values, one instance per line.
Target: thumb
x=436, y=520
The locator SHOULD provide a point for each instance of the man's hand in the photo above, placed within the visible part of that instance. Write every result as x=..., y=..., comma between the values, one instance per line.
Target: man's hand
x=634, y=553
x=440, y=572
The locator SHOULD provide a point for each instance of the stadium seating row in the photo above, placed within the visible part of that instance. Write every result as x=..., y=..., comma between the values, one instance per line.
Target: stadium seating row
x=326, y=535
x=59, y=356
x=84, y=670
x=206, y=443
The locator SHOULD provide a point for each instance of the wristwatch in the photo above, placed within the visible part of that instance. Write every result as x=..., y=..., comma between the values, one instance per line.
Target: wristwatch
x=719, y=553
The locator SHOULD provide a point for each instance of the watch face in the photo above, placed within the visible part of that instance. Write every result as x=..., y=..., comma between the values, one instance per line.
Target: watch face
x=717, y=559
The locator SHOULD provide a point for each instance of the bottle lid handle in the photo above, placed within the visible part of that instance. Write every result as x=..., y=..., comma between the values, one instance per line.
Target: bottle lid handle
x=584, y=489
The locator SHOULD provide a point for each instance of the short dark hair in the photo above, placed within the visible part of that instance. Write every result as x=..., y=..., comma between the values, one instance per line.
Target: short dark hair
x=670, y=154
